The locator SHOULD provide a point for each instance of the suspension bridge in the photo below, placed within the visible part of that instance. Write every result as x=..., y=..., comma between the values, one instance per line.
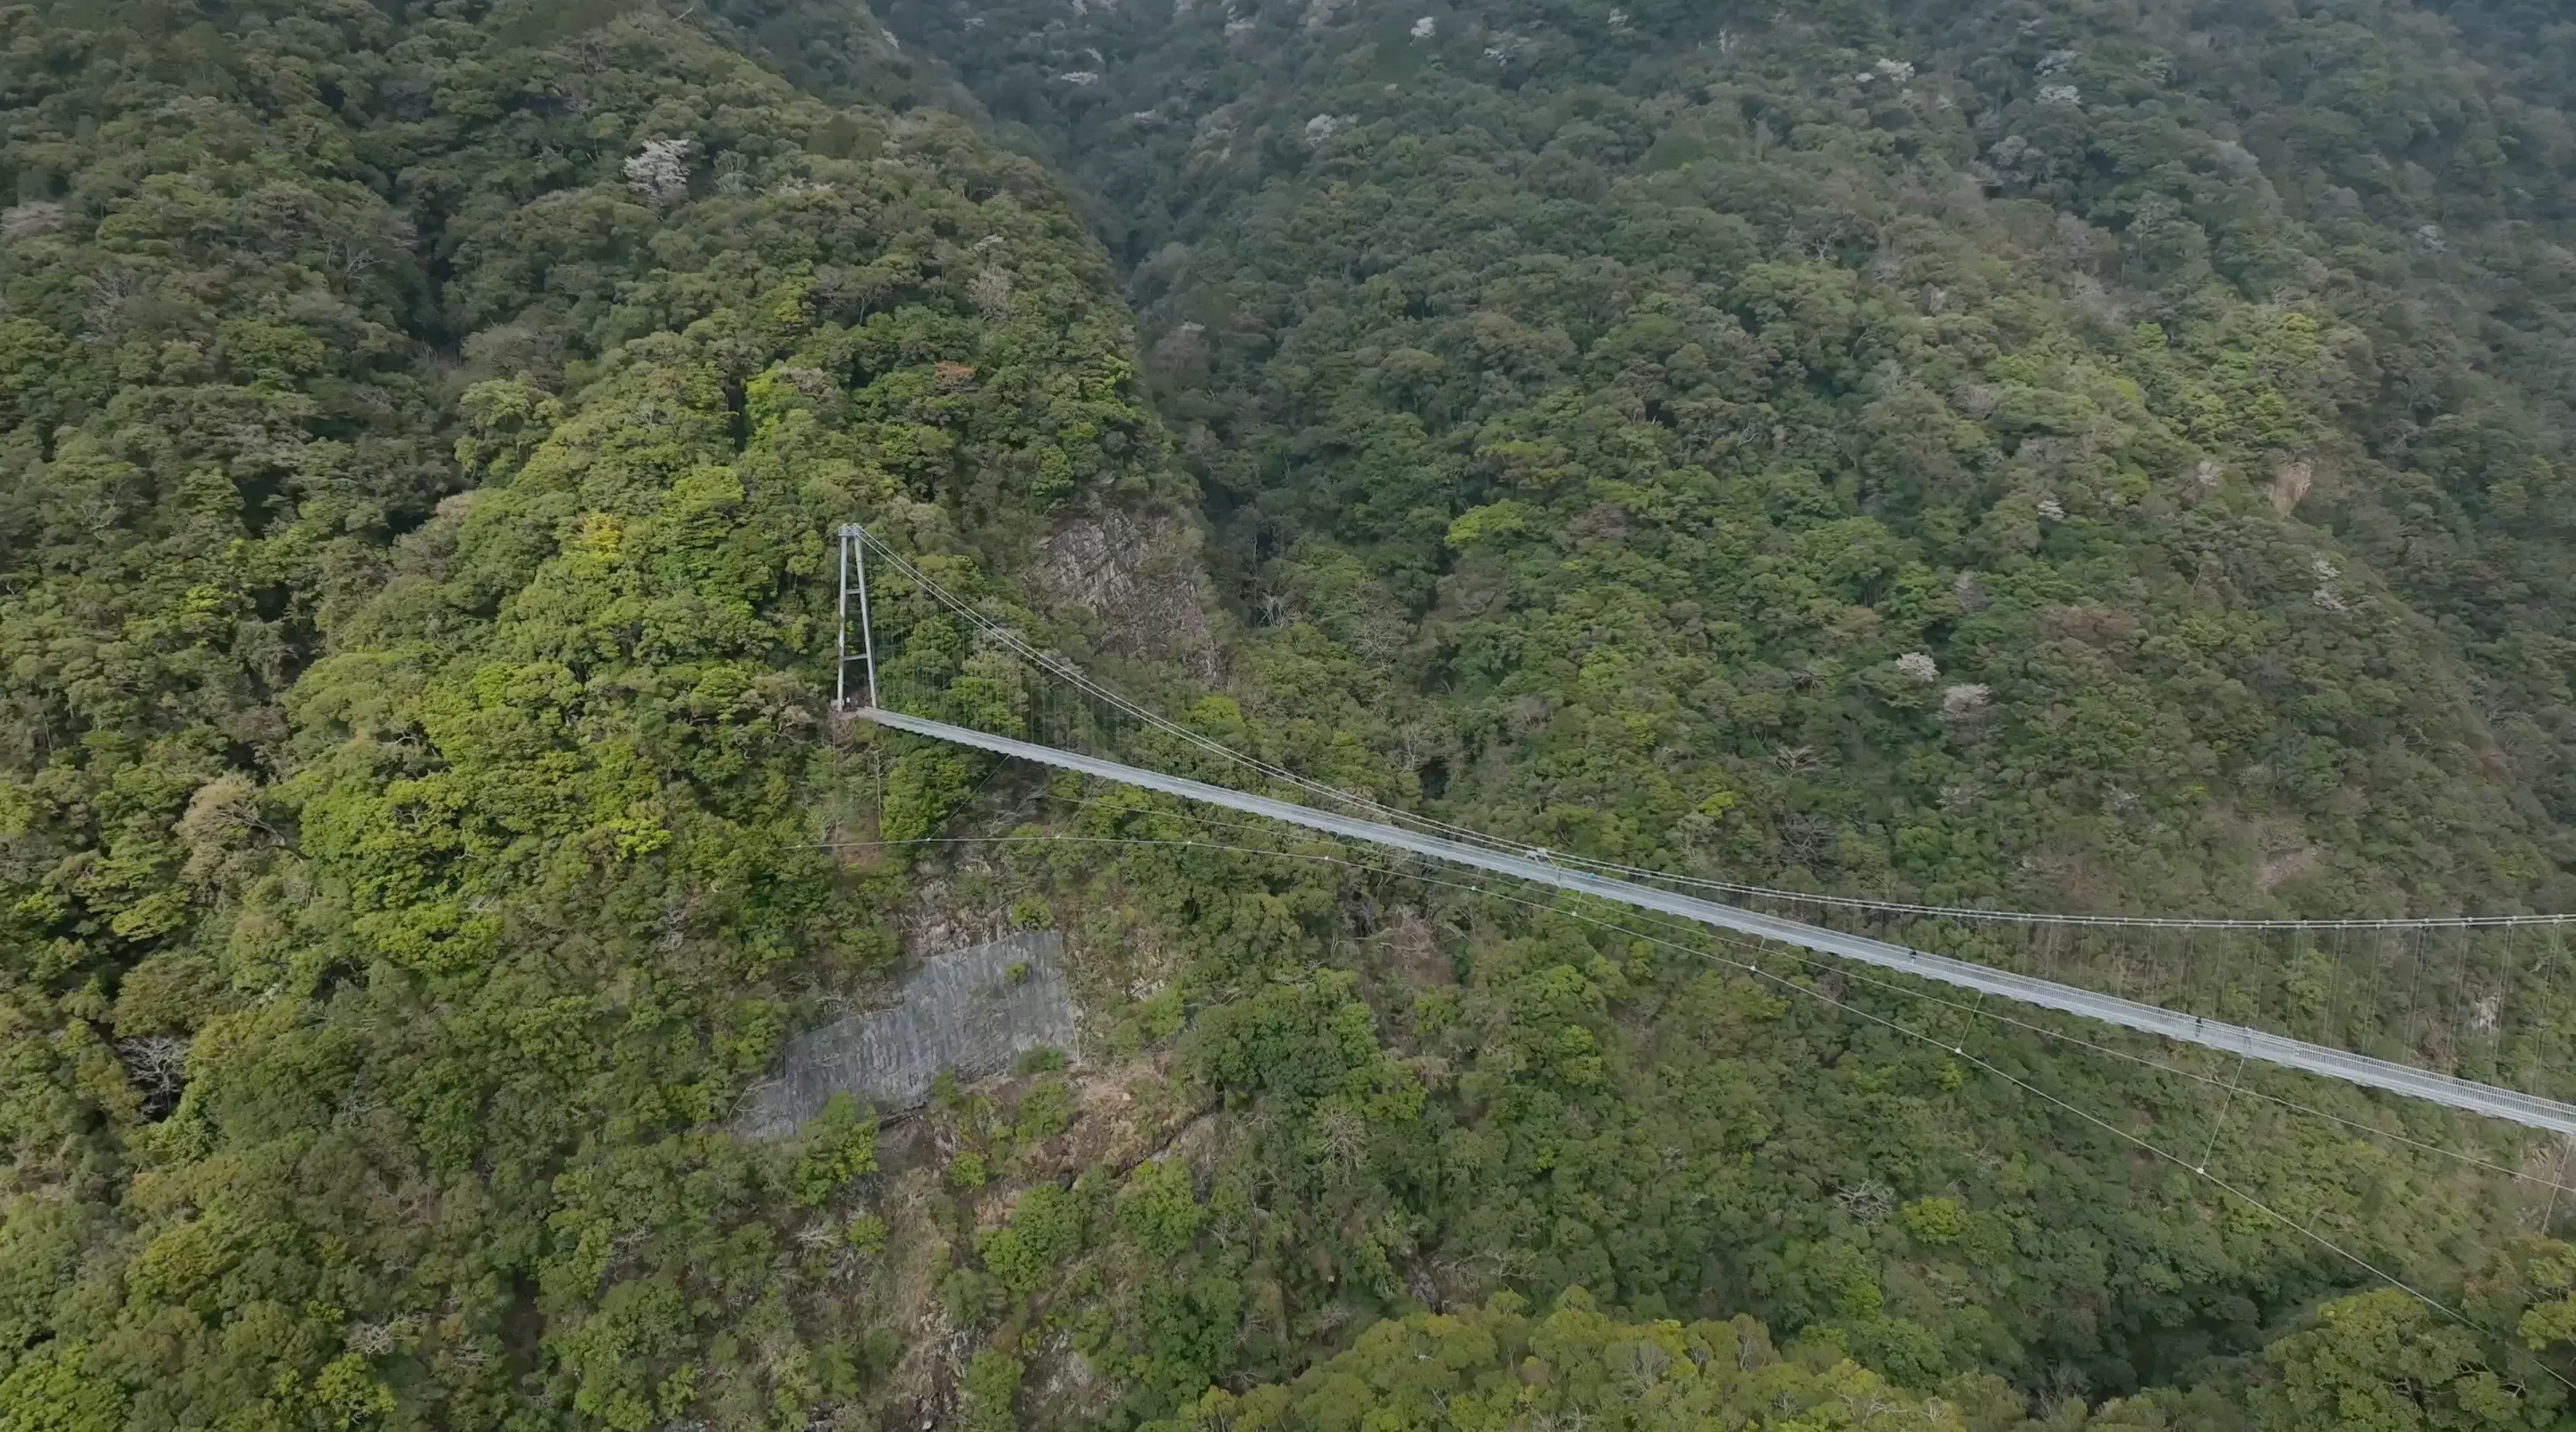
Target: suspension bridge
x=2497, y=985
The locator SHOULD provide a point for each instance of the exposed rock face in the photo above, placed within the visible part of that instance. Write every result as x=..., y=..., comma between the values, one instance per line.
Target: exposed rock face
x=1139, y=577
x=974, y=1011
x=2291, y=479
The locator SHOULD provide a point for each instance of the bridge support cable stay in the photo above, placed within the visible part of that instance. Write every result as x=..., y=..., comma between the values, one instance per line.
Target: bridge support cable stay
x=2529, y=1110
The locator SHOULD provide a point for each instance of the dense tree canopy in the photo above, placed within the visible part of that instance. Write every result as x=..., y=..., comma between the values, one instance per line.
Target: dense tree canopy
x=2055, y=431
x=2082, y=455
x=424, y=432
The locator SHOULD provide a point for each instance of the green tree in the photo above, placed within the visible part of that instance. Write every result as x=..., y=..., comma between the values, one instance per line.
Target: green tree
x=2385, y=1360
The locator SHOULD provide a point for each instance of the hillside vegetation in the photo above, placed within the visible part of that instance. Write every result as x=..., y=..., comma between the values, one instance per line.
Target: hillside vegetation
x=423, y=435
x=2083, y=456
x=1646, y=384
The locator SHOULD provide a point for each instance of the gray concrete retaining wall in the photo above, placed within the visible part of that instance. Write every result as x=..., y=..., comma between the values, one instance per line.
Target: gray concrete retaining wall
x=961, y=1011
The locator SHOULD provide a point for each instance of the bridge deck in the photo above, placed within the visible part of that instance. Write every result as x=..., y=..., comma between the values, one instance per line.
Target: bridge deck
x=2526, y=1109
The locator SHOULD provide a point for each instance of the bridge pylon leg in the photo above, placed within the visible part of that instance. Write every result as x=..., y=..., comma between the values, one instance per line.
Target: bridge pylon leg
x=854, y=577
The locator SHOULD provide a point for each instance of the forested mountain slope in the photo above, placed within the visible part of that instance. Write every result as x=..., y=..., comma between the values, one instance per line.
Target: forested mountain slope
x=2105, y=457
x=2073, y=456
x=423, y=428
x=2110, y=454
